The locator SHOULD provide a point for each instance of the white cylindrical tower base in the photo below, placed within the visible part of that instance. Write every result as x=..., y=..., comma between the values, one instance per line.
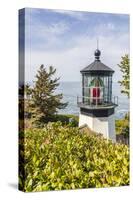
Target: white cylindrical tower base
x=103, y=125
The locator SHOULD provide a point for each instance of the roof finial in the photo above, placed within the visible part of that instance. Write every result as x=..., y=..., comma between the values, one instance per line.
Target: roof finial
x=97, y=52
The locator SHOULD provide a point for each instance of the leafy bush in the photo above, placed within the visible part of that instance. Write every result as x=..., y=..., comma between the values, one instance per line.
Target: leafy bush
x=122, y=127
x=65, y=119
x=57, y=158
x=72, y=120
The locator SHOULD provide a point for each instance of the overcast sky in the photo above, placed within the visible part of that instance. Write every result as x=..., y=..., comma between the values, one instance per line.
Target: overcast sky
x=67, y=40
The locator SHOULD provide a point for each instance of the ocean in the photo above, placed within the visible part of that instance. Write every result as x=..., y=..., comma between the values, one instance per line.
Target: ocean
x=71, y=90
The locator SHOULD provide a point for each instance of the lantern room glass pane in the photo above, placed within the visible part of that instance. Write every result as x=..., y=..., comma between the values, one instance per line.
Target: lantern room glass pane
x=97, y=90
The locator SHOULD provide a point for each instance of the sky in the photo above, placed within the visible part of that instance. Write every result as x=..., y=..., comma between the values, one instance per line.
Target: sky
x=67, y=40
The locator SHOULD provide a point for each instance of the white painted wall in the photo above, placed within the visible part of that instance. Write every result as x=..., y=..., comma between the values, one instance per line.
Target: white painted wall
x=83, y=119
x=104, y=125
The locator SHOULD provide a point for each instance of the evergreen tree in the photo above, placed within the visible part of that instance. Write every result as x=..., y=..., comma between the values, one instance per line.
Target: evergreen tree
x=27, y=91
x=124, y=67
x=45, y=102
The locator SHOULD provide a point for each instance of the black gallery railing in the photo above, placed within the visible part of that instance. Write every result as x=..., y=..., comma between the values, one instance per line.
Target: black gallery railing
x=96, y=101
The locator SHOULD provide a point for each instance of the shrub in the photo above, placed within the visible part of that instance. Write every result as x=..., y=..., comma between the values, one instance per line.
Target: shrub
x=122, y=127
x=57, y=158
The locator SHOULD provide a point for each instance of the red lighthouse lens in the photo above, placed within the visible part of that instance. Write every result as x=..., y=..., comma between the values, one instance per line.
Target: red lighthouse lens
x=96, y=95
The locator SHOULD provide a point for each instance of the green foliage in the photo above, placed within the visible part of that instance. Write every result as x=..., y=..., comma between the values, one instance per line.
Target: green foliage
x=124, y=67
x=72, y=120
x=57, y=158
x=119, y=124
x=45, y=102
x=28, y=91
x=122, y=126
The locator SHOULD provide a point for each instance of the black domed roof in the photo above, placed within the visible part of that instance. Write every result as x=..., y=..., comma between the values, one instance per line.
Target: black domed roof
x=97, y=67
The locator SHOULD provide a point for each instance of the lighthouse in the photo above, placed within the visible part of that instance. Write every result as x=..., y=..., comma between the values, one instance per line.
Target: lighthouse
x=97, y=105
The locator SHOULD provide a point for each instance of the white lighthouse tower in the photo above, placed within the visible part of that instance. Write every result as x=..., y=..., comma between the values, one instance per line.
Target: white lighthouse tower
x=97, y=106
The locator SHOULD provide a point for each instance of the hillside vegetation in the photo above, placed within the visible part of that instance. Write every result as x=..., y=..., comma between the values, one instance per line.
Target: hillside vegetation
x=60, y=157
